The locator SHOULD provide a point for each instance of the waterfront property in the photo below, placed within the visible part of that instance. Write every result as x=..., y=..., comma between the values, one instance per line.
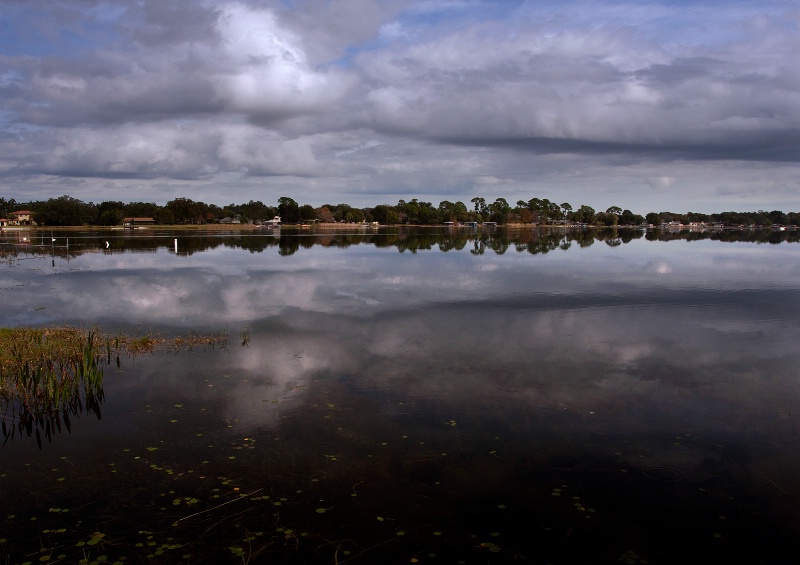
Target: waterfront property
x=21, y=218
x=133, y=222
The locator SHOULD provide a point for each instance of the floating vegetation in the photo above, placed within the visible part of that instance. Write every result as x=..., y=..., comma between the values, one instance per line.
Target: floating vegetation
x=630, y=556
x=665, y=474
x=178, y=486
x=150, y=342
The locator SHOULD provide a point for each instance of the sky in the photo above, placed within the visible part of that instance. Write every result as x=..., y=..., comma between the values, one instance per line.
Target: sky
x=649, y=105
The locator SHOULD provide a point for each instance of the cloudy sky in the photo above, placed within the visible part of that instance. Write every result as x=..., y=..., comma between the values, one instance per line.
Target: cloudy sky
x=650, y=105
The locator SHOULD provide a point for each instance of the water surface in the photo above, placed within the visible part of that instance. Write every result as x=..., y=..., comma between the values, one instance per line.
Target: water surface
x=407, y=396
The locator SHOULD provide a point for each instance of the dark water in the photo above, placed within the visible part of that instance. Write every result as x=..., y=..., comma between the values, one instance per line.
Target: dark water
x=432, y=397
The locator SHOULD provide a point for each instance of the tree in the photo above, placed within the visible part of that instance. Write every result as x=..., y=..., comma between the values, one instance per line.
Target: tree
x=111, y=218
x=453, y=211
x=142, y=209
x=187, y=211
x=419, y=213
x=385, y=214
x=288, y=210
x=325, y=215
x=499, y=210
x=64, y=211
x=525, y=216
x=447, y=210
x=778, y=218
x=606, y=219
x=567, y=208
x=7, y=206
x=762, y=218
x=586, y=214
x=553, y=209
x=697, y=217
x=535, y=207
x=544, y=210
x=307, y=212
x=254, y=210
x=628, y=218
x=354, y=216
x=732, y=218
x=340, y=212
x=162, y=216
x=501, y=205
x=109, y=213
x=480, y=206
x=462, y=214
x=612, y=216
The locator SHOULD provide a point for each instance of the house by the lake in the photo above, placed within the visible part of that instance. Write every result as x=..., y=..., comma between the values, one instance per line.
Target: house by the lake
x=133, y=222
x=21, y=218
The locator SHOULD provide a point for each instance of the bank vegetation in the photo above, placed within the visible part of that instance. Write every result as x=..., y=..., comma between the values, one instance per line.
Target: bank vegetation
x=68, y=211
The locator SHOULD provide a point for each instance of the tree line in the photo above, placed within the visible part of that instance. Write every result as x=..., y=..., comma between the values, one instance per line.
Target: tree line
x=68, y=211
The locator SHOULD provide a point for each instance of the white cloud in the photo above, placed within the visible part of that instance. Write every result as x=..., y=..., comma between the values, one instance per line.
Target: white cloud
x=269, y=72
x=259, y=152
x=661, y=182
x=646, y=106
x=156, y=149
x=372, y=143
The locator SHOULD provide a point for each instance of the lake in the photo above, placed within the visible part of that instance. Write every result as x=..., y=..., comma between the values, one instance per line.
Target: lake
x=415, y=396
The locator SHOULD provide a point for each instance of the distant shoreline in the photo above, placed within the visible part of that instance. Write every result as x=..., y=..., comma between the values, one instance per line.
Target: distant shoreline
x=350, y=226
x=244, y=227
x=252, y=227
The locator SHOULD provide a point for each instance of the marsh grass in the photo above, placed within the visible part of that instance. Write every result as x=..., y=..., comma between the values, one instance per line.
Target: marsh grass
x=49, y=374
x=150, y=342
x=46, y=375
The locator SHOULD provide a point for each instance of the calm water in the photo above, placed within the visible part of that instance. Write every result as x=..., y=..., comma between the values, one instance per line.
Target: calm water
x=429, y=396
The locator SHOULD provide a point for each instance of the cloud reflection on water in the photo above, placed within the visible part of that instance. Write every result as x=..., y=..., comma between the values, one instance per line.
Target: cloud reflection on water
x=591, y=329
x=590, y=367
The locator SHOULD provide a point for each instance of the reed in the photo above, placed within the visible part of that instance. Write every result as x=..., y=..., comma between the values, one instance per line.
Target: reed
x=49, y=374
x=46, y=375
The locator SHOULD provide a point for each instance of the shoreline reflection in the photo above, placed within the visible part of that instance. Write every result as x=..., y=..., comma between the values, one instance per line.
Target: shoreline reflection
x=412, y=239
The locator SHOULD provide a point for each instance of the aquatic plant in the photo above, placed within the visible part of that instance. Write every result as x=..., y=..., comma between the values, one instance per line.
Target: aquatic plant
x=46, y=375
x=49, y=374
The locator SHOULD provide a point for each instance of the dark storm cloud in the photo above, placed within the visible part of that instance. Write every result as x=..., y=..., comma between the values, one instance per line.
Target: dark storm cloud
x=777, y=146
